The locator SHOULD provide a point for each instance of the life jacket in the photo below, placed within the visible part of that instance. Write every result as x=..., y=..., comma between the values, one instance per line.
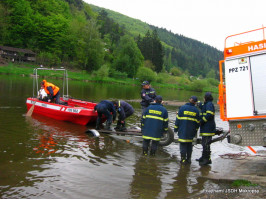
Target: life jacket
x=54, y=87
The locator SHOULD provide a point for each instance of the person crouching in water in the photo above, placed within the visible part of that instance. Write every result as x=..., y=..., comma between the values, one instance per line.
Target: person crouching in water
x=105, y=108
x=187, y=125
x=52, y=91
x=154, y=125
x=125, y=110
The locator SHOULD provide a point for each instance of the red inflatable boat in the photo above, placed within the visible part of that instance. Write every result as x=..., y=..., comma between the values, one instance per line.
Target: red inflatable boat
x=69, y=109
x=75, y=111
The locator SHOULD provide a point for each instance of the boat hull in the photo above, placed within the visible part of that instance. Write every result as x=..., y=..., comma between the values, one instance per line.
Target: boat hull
x=77, y=111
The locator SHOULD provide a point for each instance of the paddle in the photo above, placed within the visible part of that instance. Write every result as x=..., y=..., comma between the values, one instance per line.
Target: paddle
x=30, y=111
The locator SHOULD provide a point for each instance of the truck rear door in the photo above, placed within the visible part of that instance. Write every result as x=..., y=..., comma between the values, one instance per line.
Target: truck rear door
x=258, y=72
x=239, y=97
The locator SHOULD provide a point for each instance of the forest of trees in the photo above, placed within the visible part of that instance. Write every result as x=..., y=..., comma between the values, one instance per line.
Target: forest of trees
x=77, y=35
x=181, y=53
x=152, y=49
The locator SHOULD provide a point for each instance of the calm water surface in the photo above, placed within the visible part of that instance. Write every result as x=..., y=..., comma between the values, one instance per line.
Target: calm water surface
x=46, y=158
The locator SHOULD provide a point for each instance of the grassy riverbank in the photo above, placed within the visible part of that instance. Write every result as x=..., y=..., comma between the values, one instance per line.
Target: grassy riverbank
x=82, y=75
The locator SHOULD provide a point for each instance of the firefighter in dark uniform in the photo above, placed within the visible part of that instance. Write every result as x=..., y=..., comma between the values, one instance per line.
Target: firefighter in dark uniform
x=187, y=125
x=124, y=110
x=105, y=108
x=207, y=128
x=154, y=124
x=148, y=95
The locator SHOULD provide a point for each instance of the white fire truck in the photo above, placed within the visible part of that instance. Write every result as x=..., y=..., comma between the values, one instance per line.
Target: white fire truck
x=242, y=88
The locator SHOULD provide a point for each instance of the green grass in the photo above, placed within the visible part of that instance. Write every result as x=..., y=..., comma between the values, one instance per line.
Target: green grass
x=238, y=183
x=82, y=75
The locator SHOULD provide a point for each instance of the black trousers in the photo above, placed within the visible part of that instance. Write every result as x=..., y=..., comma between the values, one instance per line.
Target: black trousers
x=146, y=143
x=103, y=111
x=186, y=148
x=205, y=143
x=127, y=114
x=57, y=98
x=143, y=108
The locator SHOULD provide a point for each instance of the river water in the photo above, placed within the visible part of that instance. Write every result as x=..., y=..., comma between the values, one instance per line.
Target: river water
x=46, y=158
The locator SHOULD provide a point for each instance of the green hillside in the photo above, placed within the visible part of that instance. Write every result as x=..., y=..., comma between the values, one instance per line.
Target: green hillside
x=133, y=26
x=188, y=54
x=104, y=43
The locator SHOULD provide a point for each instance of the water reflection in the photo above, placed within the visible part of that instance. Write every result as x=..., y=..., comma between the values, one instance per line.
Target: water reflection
x=47, y=158
x=47, y=145
x=202, y=182
x=163, y=177
x=146, y=182
x=58, y=137
x=180, y=184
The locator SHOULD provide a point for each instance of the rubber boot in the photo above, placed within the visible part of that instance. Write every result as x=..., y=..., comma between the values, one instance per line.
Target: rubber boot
x=97, y=127
x=200, y=159
x=188, y=158
x=183, y=159
x=108, y=126
x=209, y=155
x=123, y=128
x=206, y=158
x=118, y=125
x=145, y=151
x=152, y=152
x=98, y=124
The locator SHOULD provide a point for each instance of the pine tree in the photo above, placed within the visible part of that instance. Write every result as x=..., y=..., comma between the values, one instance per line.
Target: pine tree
x=152, y=49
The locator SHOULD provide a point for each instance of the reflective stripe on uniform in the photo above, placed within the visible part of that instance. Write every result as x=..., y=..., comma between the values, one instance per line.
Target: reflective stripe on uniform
x=151, y=138
x=155, y=117
x=155, y=112
x=184, y=140
x=207, y=134
x=190, y=113
x=208, y=111
x=204, y=119
x=187, y=118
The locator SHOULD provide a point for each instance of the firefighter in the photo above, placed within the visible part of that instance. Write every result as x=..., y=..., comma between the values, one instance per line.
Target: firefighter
x=154, y=124
x=52, y=91
x=125, y=110
x=207, y=128
x=105, y=108
x=187, y=124
x=148, y=95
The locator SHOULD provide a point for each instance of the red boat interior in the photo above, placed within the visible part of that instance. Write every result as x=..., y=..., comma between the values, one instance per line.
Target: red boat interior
x=79, y=103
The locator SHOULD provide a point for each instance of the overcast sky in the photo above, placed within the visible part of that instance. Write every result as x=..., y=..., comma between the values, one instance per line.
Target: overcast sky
x=209, y=21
